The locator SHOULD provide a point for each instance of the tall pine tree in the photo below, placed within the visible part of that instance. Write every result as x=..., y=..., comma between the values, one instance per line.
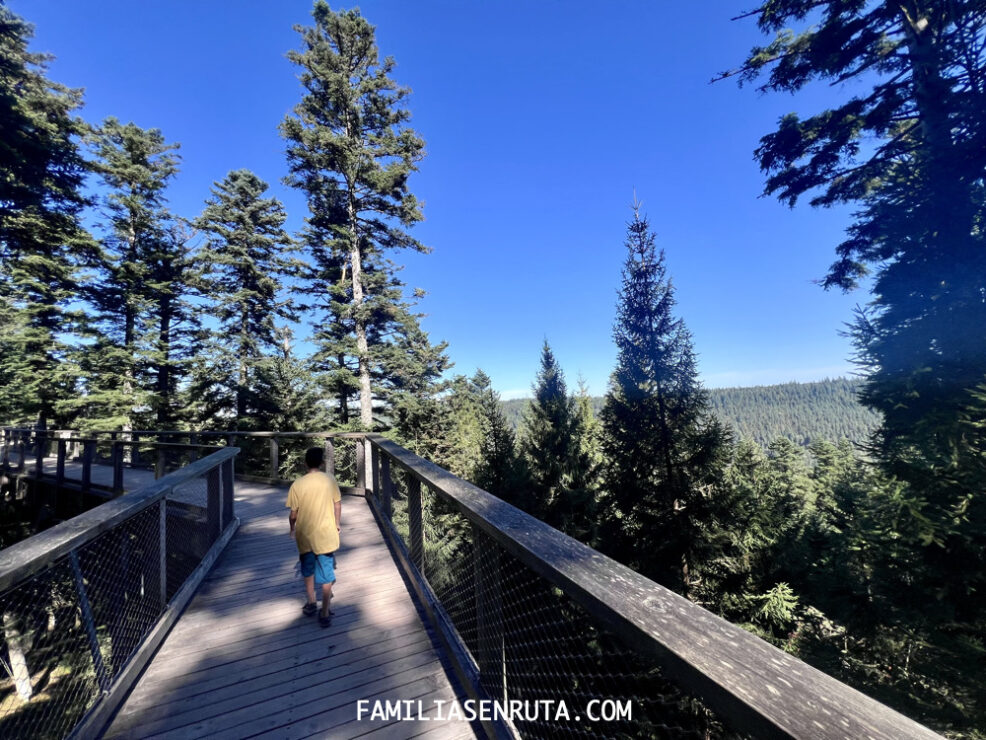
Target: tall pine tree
x=908, y=151
x=41, y=239
x=351, y=152
x=549, y=449
x=661, y=446
x=244, y=258
x=136, y=166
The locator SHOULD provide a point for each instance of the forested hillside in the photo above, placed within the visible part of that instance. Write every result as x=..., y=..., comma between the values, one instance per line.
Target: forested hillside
x=801, y=412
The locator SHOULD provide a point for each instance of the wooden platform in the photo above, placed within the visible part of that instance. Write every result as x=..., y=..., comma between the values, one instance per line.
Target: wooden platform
x=243, y=661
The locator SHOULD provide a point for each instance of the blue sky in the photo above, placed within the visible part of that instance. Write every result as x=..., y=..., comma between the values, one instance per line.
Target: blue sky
x=541, y=120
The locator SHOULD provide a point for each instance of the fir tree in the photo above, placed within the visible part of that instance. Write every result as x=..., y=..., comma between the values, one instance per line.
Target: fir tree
x=351, y=152
x=499, y=470
x=661, y=448
x=547, y=444
x=909, y=152
x=175, y=331
x=136, y=166
x=244, y=258
x=41, y=239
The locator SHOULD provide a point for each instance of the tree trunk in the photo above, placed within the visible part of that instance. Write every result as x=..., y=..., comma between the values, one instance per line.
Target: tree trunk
x=359, y=320
x=17, y=649
x=164, y=368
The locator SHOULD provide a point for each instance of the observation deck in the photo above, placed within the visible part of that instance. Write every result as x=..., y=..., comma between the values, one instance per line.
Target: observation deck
x=173, y=611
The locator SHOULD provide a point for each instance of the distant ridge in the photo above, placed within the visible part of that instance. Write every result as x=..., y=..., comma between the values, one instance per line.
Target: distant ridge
x=802, y=412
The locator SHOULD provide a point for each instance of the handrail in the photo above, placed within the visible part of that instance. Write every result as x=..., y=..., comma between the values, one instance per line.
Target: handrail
x=751, y=684
x=99, y=592
x=23, y=559
x=260, y=468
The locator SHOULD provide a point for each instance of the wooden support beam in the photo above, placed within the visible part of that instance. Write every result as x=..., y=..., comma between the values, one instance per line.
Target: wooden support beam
x=273, y=457
x=117, y=459
x=361, y=447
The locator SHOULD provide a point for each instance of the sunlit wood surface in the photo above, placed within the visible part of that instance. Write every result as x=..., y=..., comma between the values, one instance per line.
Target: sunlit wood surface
x=243, y=661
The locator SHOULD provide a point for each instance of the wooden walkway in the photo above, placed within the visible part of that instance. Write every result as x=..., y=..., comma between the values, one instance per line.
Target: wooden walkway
x=243, y=661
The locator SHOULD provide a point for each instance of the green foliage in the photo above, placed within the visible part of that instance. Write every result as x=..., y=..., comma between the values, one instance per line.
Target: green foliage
x=288, y=398
x=41, y=239
x=662, y=450
x=243, y=260
x=499, y=470
x=351, y=152
x=802, y=412
x=907, y=151
x=139, y=267
x=553, y=446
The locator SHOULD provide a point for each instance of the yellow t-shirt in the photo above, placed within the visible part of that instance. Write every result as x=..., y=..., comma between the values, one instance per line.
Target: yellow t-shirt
x=314, y=496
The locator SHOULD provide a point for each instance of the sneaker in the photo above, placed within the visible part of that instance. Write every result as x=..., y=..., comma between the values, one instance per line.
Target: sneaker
x=309, y=609
x=325, y=621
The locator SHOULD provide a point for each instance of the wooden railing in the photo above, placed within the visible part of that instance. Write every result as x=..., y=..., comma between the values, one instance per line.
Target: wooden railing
x=505, y=586
x=85, y=604
x=24, y=450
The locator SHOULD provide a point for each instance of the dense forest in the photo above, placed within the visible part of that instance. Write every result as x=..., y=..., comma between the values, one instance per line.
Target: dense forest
x=869, y=562
x=801, y=412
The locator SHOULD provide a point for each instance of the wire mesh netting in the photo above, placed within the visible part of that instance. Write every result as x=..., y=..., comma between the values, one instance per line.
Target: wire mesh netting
x=536, y=649
x=69, y=630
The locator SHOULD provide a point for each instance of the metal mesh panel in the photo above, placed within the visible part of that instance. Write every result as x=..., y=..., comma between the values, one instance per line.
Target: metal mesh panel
x=121, y=573
x=532, y=643
x=67, y=632
x=48, y=681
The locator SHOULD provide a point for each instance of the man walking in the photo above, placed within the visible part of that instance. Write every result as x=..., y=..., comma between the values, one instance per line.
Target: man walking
x=316, y=507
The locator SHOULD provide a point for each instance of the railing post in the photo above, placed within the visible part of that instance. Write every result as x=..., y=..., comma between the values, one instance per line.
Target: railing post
x=416, y=543
x=375, y=472
x=134, y=450
x=213, y=512
x=194, y=453
x=39, y=462
x=60, y=464
x=6, y=450
x=273, y=458
x=159, y=463
x=102, y=678
x=361, y=446
x=386, y=485
x=489, y=617
x=88, y=452
x=22, y=458
x=227, y=508
x=117, y=459
x=330, y=458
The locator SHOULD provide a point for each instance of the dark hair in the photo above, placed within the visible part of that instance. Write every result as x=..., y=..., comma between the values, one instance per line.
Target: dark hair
x=314, y=457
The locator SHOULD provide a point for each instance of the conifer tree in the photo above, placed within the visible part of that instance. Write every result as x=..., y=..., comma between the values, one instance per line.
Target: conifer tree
x=499, y=470
x=243, y=259
x=662, y=448
x=351, y=152
x=41, y=239
x=908, y=151
x=175, y=331
x=287, y=393
x=136, y=165
x=547, y=444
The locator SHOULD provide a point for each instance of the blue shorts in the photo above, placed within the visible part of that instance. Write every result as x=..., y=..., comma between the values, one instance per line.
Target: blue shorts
x=323, y=567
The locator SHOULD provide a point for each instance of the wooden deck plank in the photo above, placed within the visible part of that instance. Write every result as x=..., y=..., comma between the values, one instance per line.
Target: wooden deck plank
x=244, y=660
